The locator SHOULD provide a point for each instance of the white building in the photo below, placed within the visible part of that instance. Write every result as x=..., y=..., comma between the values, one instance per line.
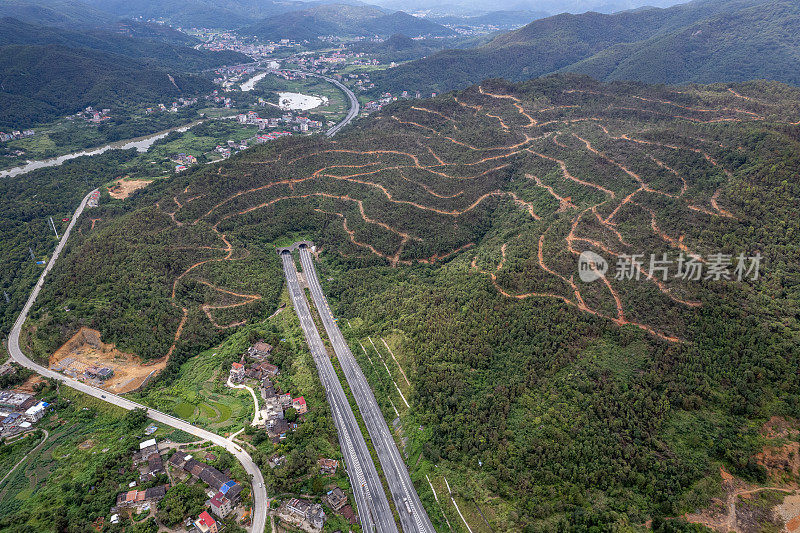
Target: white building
x=37, y=412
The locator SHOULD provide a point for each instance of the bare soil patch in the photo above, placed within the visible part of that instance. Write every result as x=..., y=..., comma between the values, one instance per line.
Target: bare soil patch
x=29, y=387
x=747, y=507
x=124, y=188
x=85, y=349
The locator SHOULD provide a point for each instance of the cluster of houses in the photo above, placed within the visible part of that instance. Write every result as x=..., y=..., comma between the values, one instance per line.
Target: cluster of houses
x=183, y=161
x=173, y=107
x=15, y=135
x=90, y=114
x=310, y=516
x=224, y=493
x=149, y=463
x=386, y=98
x=298, y=123
x=95, y=375
x=254, y=365
x=19, y=412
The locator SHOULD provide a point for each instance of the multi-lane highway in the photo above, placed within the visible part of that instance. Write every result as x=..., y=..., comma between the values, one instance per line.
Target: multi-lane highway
x=355, y=107
x=373, y=507
x=409, y=507
x=259, y=491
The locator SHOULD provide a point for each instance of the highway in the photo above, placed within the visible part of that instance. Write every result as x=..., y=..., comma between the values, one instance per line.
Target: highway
x=373, y=507
x=394, y=468
x=355, y=107
x=259, y=491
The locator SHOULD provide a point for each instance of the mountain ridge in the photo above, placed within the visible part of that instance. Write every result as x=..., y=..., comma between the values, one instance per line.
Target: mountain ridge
x=593, y=43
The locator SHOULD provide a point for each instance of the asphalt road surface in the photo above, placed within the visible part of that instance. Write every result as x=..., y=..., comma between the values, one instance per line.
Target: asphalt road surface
x=355, y=107
x=409, y=507
x=259, y=491
x=373, y=507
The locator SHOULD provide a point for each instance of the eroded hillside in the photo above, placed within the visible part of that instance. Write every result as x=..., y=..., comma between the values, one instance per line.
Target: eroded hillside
x=505, y=185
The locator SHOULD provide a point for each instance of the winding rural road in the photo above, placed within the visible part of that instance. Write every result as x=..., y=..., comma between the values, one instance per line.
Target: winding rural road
x=373, y=507
x=259, y=491
x=355, y=107
x=412, y=514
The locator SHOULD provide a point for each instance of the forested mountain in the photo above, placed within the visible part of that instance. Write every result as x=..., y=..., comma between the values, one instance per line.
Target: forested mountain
x=49, y=72
x=201, y=13
x=499, y=19
x=756, y=42
x=152, y=51
x=44, y=82
x=456, y=224
x=64, y=13
x=342, y=20
x=704, y=40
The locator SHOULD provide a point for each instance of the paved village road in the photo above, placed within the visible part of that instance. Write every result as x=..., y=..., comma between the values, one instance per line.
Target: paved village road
x=259, y=491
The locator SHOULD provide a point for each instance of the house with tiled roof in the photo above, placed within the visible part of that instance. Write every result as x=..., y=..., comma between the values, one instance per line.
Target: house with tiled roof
x=300, y=405
x=205, y=523
x=237, y=373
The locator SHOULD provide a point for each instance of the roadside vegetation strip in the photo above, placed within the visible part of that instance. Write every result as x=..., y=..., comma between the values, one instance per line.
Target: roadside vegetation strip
x=389, y=372
x=436, y=497
x=456, y=506
x=396, y=361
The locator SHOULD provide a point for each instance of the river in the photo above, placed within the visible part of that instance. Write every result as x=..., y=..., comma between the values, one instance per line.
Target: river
x=142, y=144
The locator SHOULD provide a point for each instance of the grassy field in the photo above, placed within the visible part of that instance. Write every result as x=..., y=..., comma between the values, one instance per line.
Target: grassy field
x=337, y=103
x=200, y=396
x=88, y=439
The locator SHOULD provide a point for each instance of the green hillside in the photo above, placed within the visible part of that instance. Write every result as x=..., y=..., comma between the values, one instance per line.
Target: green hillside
x=452, y=227
x=42, y=83
x=702, y=41
x=342, y=20
x=152, y=49
x=758, y=42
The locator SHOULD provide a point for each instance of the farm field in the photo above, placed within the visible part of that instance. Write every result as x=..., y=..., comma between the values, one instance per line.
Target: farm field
x=337, y=104
x=200, y=396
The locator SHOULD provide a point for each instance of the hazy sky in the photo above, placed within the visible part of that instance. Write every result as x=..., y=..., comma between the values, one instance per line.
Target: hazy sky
x=550, y=6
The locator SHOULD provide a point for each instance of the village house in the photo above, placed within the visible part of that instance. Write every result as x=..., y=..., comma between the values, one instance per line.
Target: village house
x=303, y=514
x=277, y=429
x=208, y=474
x=327, y=466
x=237, y=373
x=260, y=350
x=300, y=405
x=205, y=523
x=137, y=498
x=336, y=498
x=267, y=390
x=220, y=505
x=35, y=413
x=285, y=400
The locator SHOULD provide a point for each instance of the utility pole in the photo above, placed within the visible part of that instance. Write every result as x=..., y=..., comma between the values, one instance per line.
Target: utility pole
x=54, y=227
x=33, y=256
x=8, y=300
